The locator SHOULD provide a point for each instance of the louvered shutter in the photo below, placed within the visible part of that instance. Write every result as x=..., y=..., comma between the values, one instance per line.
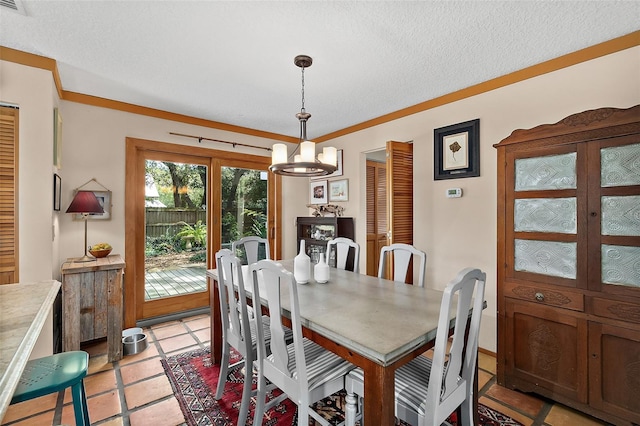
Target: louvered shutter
x=8, y=195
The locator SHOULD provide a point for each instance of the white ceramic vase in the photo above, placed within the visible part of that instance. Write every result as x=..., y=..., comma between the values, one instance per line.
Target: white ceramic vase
x=321, y=270
x=302, y=266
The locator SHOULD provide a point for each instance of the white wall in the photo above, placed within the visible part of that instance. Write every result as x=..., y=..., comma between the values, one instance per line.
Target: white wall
x=461, y=232
x=33, y=91
x=455, y=233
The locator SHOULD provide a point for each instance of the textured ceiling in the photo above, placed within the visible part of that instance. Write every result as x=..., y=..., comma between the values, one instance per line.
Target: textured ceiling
x=232, y=62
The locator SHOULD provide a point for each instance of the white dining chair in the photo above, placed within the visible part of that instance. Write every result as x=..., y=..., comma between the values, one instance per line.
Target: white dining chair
x=249, y=248
x=343, y=246
x=402, y=255
x=303, y=370
x=237, y=329
x=428, y=391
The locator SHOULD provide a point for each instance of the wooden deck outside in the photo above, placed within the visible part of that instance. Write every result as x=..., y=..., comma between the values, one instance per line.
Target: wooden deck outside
x=174, y=282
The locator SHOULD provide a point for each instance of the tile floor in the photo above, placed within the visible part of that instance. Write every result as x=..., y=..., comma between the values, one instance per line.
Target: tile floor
x=136, y=392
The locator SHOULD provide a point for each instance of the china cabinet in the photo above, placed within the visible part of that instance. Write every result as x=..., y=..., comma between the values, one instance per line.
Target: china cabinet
x=316, y=231
x=569, y=262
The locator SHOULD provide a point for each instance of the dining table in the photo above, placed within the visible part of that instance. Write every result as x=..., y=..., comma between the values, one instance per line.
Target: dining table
x=374, y=323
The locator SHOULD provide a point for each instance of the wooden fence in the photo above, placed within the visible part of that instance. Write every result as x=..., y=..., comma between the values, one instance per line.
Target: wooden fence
x=166, y=221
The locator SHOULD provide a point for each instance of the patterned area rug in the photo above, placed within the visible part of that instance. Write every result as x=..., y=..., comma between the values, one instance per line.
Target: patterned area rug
x=194, y=382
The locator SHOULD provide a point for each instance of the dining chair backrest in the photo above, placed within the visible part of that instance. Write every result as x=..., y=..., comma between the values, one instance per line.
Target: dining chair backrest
x=251, y=248
x=236, y=330
x=453, y=369
x=343, y=246
x=286, y=370
x=402, y=255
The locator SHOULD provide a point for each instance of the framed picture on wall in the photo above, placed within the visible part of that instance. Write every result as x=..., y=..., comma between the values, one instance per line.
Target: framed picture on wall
x=57, y=191
x=457, y=150
x=339, y=190
x=104, y=198
x=57, y=139
x=318, y=192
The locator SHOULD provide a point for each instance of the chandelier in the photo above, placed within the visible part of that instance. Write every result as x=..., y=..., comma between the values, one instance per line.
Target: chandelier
x=305, y=164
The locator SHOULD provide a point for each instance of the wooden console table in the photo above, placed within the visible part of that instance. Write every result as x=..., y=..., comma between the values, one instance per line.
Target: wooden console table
x=92, y=303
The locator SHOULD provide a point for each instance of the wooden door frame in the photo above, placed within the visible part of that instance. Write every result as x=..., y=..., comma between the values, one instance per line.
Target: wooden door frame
x=136, y=152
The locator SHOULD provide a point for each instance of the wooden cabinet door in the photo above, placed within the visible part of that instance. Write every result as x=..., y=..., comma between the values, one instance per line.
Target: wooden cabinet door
x=614, y=367
x=547, y=350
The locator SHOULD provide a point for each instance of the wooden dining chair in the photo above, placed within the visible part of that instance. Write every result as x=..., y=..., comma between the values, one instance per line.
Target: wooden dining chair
x=237, y=329
x=251, y=249
x=402, y=255
x=343, y=246
x=428, y=391
x=303, y=370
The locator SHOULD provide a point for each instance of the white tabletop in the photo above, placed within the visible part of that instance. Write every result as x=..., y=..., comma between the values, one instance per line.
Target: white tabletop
x=23, y=311
x=380, y=319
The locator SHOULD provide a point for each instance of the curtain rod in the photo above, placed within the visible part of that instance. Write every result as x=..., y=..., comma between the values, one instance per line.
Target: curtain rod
x=201, y=138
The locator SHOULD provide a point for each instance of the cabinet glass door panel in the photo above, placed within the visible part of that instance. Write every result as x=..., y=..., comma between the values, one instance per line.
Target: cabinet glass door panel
x=620, y=165
x=621, y=265
x=546, y=257
x=621, y=215
x=545, y=215
x=548, y=172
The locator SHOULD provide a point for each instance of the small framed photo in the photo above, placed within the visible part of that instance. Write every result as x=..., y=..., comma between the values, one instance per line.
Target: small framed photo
x=57, y=191
x=339, y=190
x=457, y=150
x=104, y=198
x=338, y=171
x=318, y=192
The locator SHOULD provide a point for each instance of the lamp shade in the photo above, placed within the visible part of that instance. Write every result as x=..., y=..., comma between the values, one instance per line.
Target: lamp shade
x=85, y=202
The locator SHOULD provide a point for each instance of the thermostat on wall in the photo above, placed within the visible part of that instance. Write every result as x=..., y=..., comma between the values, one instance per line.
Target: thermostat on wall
x=454, y=193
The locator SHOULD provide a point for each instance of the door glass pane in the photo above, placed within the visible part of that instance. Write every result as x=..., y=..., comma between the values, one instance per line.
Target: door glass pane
x=621, y=215
x=621, y=265
x=545, y=215
x=546, y=257
x=244, y=205
x=620, y=165
x=175, y=229
x=550, y=172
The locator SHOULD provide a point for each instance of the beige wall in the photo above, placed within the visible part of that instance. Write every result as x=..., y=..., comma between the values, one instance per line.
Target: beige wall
x=455, y=233
x=461, y=232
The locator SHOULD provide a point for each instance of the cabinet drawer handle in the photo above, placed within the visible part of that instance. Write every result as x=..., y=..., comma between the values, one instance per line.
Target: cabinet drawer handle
x=540, y=297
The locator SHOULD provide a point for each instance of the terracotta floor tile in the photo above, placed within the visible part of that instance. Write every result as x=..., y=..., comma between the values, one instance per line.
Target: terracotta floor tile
x=169, y=331
x=182, y=350
x=197, y=324
x=174, y=343
x=166, y=413
x=150, y=352
x=487, y=362
x=203, y=335
x=147, y=391
x=506, y=410
x=100, y=382
x=141, y=370
x=100, y=407
x=559, y=415
x=28, y=408
x=116, y=421
x=524, y=402
x=44, y=419
x=99, y=363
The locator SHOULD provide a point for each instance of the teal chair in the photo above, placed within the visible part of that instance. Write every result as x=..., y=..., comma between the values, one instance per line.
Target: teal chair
x=54, y=373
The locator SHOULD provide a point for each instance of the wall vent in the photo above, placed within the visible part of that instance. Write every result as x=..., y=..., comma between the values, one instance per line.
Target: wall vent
x=14, y=6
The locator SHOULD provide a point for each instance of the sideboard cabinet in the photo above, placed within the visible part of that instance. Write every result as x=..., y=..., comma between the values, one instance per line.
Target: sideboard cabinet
x=316, y=231
x=569, y=262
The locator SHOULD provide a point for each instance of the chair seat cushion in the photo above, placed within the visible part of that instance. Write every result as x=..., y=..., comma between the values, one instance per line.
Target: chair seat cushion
x=51, y=374
x=322, y=365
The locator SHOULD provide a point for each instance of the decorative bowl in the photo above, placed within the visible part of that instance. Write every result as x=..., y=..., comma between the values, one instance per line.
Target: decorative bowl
x=100, y=253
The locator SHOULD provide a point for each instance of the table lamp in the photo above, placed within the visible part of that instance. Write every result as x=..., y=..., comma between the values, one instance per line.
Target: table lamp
x=85, y=203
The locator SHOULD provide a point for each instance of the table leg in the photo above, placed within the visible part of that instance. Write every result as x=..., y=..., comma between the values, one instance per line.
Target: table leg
x=216, y=323
x=379, y=388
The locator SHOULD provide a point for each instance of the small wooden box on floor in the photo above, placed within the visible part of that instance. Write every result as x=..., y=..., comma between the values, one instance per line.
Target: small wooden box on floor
x=92, y=303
